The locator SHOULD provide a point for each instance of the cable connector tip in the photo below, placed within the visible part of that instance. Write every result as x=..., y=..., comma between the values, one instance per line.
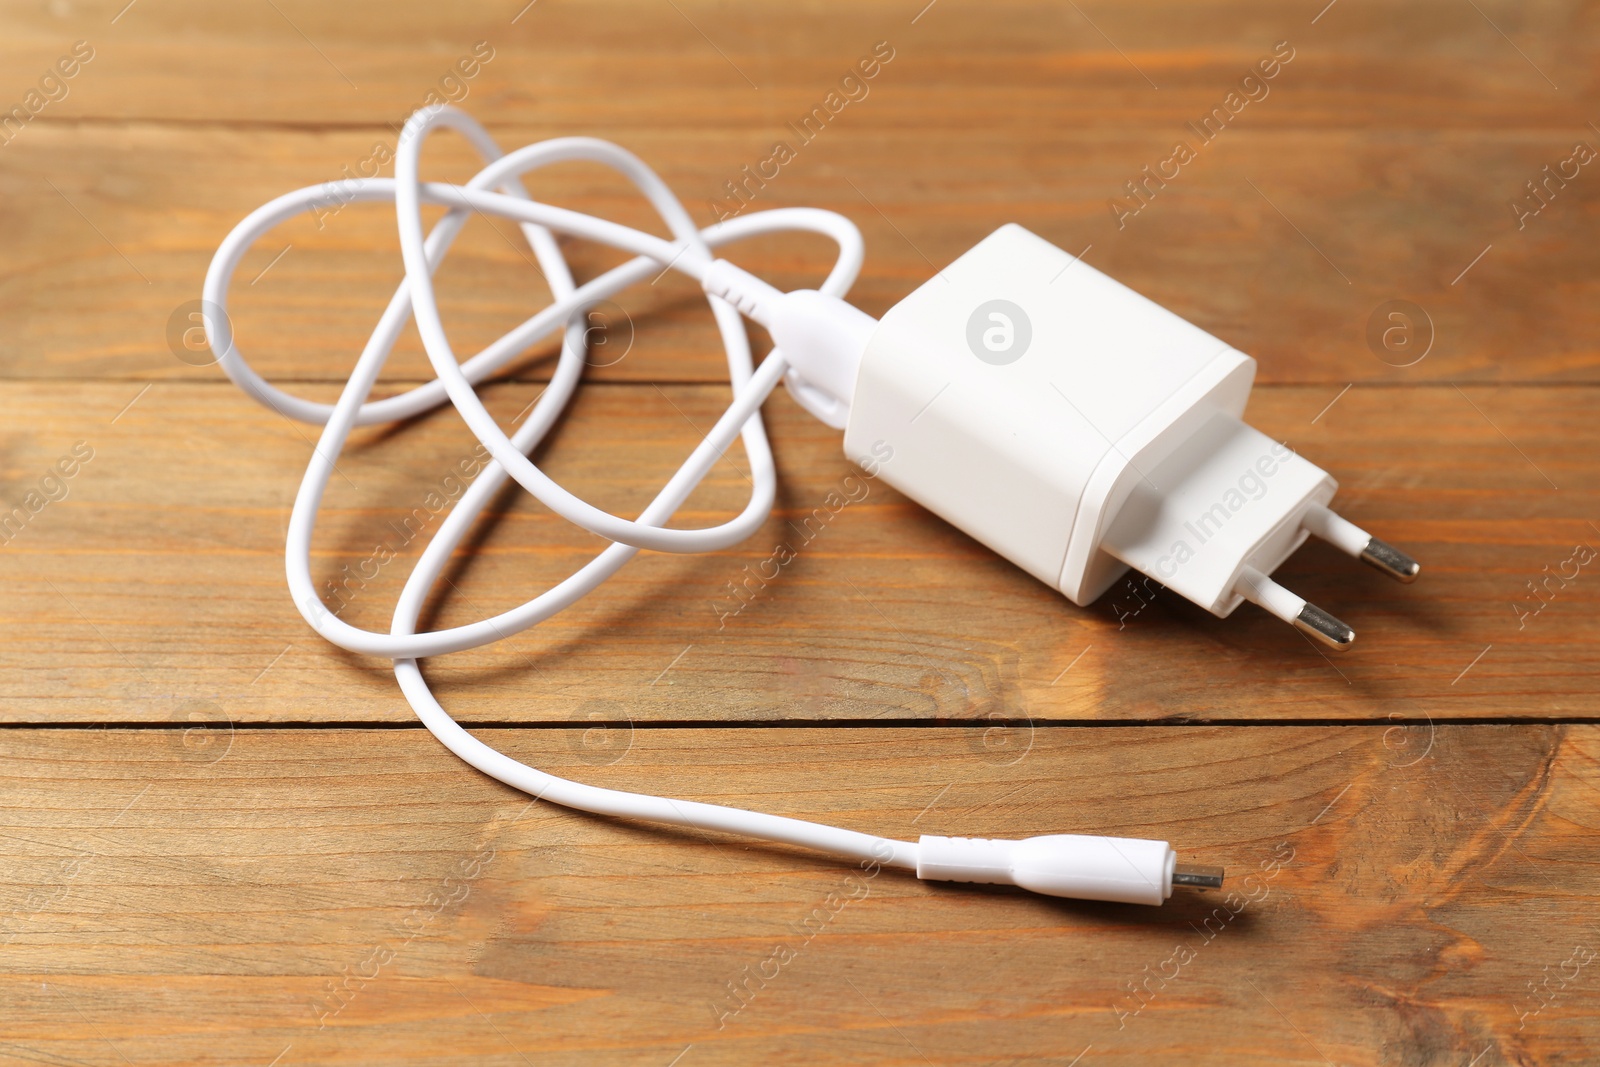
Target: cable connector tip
x=1197, y=876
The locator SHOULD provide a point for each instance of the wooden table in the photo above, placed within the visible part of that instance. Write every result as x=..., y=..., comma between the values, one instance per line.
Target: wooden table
x=226, y=841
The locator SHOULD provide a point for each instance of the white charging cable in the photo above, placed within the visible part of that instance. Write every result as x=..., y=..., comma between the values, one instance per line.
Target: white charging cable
x=1065, y=865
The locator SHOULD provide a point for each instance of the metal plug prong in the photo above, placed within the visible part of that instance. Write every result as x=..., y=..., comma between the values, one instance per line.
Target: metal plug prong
x=1325, y=628
x=1294, y=610
x=1390, y=560
x=1346, y=536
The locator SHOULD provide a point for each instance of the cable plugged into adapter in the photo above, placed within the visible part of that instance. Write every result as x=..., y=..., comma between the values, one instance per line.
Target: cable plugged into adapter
x=1079, y=429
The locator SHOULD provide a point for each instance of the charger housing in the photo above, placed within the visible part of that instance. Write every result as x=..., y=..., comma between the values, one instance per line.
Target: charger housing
x=1077, y=428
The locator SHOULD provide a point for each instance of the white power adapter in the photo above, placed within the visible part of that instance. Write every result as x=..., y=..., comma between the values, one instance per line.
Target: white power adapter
x=1058, y=417
x=1078, y=429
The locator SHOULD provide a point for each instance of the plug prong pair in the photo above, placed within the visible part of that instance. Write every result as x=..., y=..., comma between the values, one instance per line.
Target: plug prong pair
x=1349, y=538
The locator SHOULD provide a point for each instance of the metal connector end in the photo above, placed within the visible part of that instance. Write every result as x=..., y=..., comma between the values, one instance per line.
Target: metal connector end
x=1325, y=628
x=1391, y=561
x=1197, y=876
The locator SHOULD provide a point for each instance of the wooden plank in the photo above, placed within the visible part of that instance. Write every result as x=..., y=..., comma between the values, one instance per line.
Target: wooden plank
x=116, y=227
x=158, y=582
x=166, y=901
x=1031, y=65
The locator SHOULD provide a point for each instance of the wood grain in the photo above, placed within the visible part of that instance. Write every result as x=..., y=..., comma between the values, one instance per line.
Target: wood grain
x=159, y=580
x=211, y=822
x=189, y=897
x=1023, y=64
x=1290, y=270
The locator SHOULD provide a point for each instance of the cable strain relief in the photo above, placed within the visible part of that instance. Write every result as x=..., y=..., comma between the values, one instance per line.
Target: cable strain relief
x=1085, y=867
x=823, y=339
x=754, y=298
x=964, y=859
